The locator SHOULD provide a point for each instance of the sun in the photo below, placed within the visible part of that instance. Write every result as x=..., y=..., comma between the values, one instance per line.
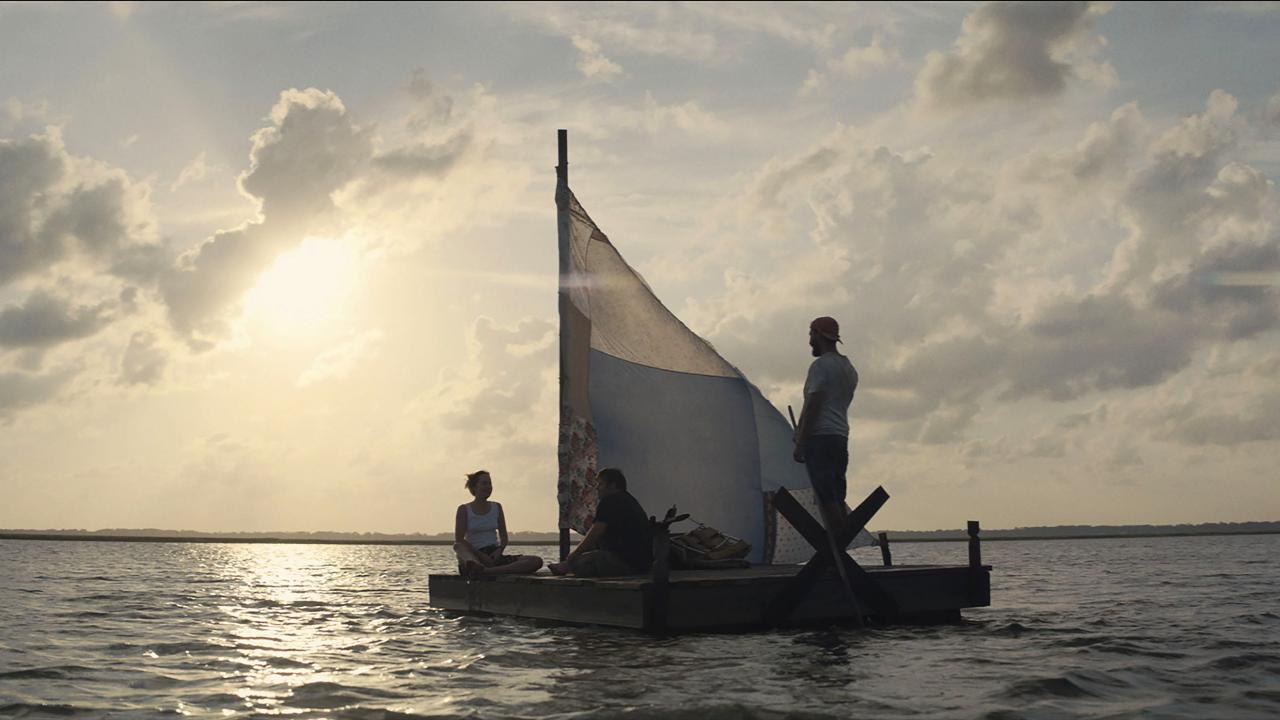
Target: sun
x=305, y=290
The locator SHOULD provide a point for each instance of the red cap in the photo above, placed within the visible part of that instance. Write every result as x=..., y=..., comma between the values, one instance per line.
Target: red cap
x=826, y=327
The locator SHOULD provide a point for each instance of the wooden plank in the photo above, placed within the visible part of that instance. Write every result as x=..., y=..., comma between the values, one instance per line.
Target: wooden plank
x=620, y=606
x=704, y=600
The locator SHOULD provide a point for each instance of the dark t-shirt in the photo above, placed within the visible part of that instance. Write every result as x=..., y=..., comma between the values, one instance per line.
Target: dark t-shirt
x=626, y=530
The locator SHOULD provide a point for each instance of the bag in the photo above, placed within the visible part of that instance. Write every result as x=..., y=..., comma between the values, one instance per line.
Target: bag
x=706, y=543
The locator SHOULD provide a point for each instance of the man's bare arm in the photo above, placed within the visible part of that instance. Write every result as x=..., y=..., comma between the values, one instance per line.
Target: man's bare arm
x=808, y=417
x=589, y=542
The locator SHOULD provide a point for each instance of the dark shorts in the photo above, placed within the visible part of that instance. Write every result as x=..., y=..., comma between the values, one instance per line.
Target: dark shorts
x=826, y=457
x=498, y=560
x=600, y=563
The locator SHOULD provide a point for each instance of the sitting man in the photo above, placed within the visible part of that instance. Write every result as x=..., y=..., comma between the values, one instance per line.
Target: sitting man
x=619, y=541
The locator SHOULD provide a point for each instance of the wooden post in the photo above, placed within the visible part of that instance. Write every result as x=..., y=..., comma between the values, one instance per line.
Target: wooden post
x=975, y=547
x=813, y=532
x=660, y=577
x=562, y=170
x=562, y=181
x=884, y=550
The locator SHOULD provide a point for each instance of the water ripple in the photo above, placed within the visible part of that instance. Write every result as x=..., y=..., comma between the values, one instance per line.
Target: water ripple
x=1165, y=627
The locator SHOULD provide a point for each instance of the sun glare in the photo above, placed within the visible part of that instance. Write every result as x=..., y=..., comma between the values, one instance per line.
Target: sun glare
x=305, y=289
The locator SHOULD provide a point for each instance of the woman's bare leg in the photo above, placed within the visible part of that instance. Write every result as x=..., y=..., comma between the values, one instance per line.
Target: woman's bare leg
x=470, y=561
x=525, y=565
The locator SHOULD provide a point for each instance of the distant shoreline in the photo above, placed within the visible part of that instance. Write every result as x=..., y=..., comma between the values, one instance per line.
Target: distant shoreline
x=269, y=540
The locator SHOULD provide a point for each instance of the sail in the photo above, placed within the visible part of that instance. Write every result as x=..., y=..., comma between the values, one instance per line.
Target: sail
x=642, y=392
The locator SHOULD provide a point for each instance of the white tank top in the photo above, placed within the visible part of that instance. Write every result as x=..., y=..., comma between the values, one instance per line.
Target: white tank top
x=482, y=530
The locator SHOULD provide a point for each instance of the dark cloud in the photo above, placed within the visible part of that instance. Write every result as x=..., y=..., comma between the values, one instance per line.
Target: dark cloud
x=54, y=206
x=94, y=216
x=1095, y=343
x=45, y=320
x=29, y=169
x=1007, y=51
x=1232, y=309
x=1257, y=421
x=20, y=389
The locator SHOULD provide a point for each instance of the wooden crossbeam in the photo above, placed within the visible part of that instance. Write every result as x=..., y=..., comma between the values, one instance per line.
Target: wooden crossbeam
x=862, y=585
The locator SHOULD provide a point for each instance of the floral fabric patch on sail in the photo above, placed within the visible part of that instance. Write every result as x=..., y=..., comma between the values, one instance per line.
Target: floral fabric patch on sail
x=578, y=454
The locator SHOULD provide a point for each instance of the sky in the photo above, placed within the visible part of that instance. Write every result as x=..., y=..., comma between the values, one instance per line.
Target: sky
x=293, y=267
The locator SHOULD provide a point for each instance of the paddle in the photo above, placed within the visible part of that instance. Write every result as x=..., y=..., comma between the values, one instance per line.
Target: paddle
x=831, y=543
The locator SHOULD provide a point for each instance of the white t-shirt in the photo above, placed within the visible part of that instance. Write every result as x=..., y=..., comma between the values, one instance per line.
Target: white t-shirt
x=835, y=377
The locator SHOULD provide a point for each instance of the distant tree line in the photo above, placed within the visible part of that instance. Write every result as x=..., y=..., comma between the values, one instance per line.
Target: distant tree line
x=1092, y=531
x=525, y=537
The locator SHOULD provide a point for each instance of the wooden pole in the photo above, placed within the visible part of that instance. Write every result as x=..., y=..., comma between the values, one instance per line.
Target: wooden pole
x=562, y=170
x=975, y=547
x=660, y=575
x=562, y=181
x=884, y=550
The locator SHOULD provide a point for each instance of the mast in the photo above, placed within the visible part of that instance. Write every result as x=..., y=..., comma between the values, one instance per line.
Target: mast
x=562, y=222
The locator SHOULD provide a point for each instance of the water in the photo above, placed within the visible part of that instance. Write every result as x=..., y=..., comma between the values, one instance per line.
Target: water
x=1161, y=627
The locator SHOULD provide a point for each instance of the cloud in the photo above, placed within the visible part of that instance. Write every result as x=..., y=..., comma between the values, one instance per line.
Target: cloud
x=1271, y=113
x=21, y=389
x=19, y=118
x=423, y=159
x=1092, y=344
x=591, y=60
x=499, y=384
x=55, y=207
x=950, y=276
x=430, y=107
x=855, y=63
x=339, y=362
x=144, y=360
x=711, y=33
x=1107, y=146
x=1255, y=420
x=45, y=320
x=29, y=170
x=1168, y=205
x=194, y=171
x=1014, y=51
x=310, y=151
x=641, y=29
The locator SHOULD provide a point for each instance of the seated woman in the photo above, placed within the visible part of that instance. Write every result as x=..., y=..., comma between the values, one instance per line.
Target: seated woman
x=480, y=535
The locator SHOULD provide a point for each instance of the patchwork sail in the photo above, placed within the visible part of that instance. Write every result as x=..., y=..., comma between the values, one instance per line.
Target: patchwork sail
x=642, y=392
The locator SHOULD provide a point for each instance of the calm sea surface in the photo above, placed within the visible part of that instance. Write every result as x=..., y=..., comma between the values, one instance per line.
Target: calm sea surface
x=1162, y=627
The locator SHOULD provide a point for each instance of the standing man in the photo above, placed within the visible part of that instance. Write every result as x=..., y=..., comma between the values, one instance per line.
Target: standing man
x=822, y=437
x=619, y=541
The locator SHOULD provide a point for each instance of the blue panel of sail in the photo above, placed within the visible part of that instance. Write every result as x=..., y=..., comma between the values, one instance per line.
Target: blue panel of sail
x=681, y=439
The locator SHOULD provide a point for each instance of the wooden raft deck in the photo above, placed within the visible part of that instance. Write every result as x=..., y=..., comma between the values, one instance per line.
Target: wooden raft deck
x=713, y=600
